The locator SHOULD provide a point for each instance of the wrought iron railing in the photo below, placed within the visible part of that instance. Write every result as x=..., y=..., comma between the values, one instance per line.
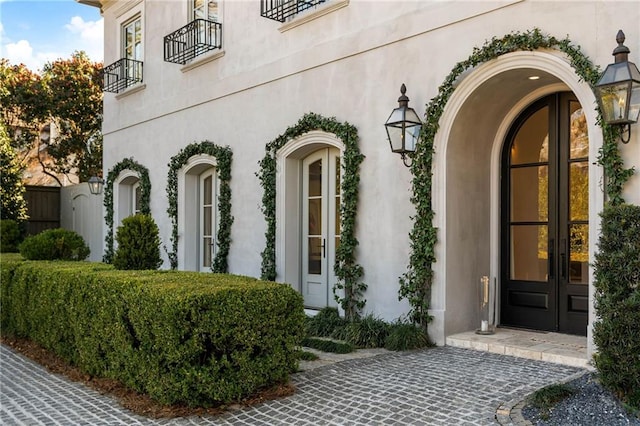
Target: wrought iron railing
x=280, y=10
x=194, y=39
x=121, y=74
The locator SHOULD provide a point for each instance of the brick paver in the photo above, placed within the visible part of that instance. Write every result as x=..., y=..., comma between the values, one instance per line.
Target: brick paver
x=445, y=385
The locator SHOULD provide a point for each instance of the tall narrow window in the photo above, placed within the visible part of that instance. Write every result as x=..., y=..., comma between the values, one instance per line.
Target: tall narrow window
x=136, y=195
x=205, y=10
x=132, y=47
x=207, y=219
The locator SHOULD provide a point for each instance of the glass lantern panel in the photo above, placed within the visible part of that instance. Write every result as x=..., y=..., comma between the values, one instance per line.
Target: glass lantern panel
x=411, y=135
x=613, y=99
x=634, y=103
x=395, y=138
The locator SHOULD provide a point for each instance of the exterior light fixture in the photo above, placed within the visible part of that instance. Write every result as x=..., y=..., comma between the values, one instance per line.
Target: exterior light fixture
x=403, y=128
x=95, y=185
x=618, y=91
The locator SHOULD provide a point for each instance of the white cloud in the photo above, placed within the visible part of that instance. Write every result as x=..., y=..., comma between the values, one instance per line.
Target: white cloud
x=22, y=53
x=91, y=35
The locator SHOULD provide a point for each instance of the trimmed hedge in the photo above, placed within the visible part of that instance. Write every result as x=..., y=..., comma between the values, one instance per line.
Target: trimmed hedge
x=617, y=285
x=180, y=337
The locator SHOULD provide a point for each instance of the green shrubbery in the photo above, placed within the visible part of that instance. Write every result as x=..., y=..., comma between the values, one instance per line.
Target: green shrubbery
x=11, y=234
x=54, y=244
x=138, y=244
x=617, y=284
x=366, y=332
x=180, y=337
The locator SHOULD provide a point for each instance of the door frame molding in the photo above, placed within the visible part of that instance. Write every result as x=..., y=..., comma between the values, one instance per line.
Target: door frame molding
x=288, y=227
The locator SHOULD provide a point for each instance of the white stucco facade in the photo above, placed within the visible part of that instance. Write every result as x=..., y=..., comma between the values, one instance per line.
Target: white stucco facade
x=347, y=60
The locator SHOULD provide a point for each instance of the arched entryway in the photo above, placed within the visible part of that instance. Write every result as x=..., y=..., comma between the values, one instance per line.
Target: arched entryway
x=544, y=202
x=467, y=179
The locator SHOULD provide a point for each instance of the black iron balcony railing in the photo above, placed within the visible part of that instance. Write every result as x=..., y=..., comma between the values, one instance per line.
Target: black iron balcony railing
x=280, y=10
x=194, y=39
x=121, y=74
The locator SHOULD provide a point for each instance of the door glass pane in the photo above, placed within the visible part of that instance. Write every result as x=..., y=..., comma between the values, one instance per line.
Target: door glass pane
x=579, y=190
x=579, y=248
x=578, y=135
x=315, y=179
x=530, y=194
x=529, y=252
x=531, y=144
x=207, y=216
x=206, y=252
x=315, y=216
x=208, y=186
x=314, y=263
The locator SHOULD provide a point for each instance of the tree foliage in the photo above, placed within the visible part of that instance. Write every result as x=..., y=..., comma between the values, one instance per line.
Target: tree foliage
x=12, y=202
x=67, y=93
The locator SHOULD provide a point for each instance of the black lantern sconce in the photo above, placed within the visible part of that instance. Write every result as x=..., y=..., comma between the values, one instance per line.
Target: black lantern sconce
x=618, y=91
x=403, y=127
x=95, y=185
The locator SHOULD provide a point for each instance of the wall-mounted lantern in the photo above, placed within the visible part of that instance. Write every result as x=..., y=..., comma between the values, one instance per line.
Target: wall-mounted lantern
x=618, y=91
x=403, y=127
x=95, y=185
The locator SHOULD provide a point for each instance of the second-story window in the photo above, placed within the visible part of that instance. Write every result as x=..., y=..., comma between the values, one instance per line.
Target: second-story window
x=132, y=45
x=202, y=34
x=127, y=70
x=203, y=9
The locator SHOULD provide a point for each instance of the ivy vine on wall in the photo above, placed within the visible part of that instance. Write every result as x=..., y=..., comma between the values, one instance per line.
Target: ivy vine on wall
x=145, y=194
x=416, y=283
x=347, y=270
x=223, y=156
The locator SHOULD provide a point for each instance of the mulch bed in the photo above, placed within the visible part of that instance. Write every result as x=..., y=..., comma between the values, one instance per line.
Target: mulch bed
x=136, y=402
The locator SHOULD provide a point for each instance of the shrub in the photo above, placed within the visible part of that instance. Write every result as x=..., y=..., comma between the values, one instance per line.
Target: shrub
x=367, y=332
x=405, y=336
x=11, y=234
x=54, y=244
x=138, y=244
x=326, y=323
x=326, y=345
x=180, y=337
x=617, y=294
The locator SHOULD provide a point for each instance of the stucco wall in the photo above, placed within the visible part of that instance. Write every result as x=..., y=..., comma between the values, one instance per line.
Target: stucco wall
x=348, y=64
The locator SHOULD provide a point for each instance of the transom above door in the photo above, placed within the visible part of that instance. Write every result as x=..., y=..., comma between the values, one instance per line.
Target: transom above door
x=545, y=218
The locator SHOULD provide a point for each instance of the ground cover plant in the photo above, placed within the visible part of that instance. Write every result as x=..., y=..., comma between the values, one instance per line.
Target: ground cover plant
x=366, y=332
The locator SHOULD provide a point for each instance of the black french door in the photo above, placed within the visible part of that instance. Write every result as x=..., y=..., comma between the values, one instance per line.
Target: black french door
x=545, y=218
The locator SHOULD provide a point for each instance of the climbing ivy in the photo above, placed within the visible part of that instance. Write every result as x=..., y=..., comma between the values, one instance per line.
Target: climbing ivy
x=223, y=156
x=416, y=283
x=346, y=269
x=145, y=194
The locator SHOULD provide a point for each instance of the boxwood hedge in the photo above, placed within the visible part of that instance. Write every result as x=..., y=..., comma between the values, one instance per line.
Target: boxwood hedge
x=180, y=337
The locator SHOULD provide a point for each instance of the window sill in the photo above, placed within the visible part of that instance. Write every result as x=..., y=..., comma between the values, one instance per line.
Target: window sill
x=206, y=58
x=131, y=90
x=308, y=17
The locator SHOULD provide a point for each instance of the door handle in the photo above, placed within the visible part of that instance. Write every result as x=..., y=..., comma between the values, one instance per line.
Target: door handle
x=324, y=250
x=563, y=258
x=551, y=259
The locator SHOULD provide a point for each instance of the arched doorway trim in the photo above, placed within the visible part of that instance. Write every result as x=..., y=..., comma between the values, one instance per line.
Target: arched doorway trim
x=289, y=162
x=347, y=270
x=555, y=64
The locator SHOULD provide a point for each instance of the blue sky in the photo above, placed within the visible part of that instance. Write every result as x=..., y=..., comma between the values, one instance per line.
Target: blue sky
x=34, y=32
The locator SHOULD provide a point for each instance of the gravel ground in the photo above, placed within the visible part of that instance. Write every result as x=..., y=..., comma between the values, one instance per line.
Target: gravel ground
x=590, y=405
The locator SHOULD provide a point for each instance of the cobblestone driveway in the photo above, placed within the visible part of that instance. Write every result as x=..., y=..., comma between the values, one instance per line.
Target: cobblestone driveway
x=443, y=385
